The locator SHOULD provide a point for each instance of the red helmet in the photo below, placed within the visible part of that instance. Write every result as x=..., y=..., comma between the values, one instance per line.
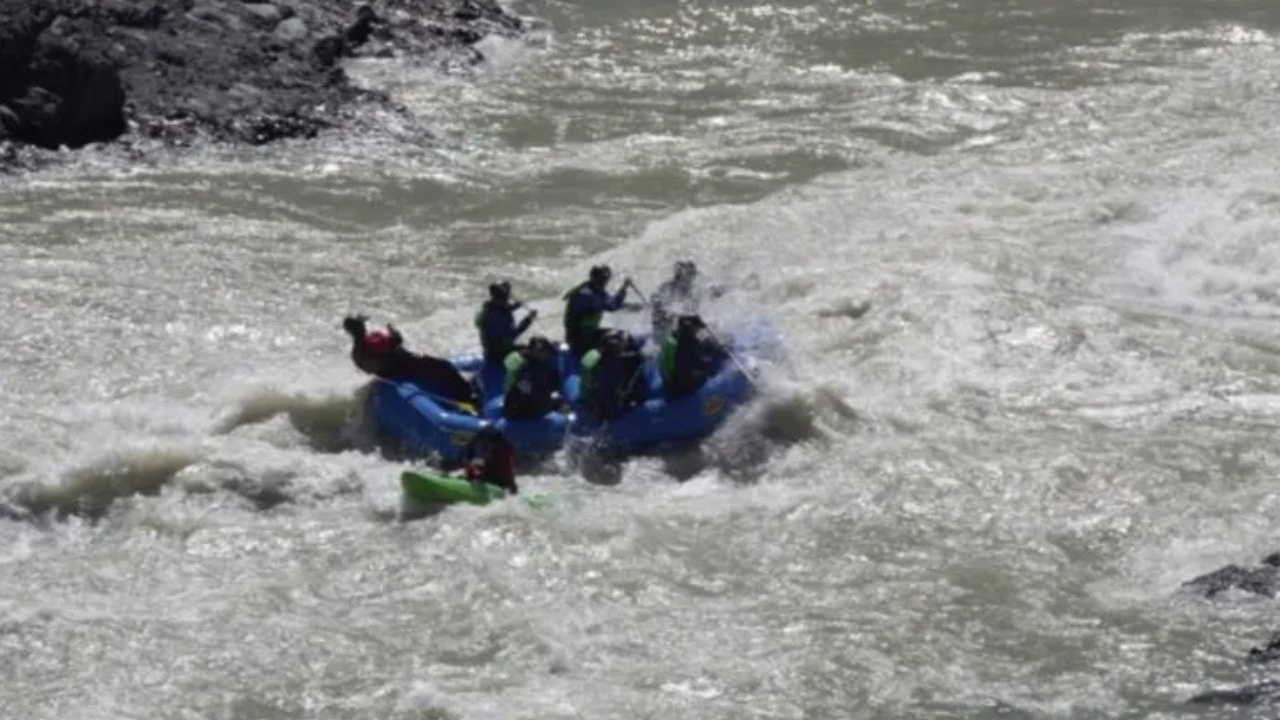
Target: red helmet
x=378, y=342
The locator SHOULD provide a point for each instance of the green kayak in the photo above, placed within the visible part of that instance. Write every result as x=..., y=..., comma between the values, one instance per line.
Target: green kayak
x=427, y=487
x=445, y=489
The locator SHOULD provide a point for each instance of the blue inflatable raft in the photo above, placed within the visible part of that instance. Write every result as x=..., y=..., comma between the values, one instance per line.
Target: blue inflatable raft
x=661, y=422
x=428, y=425
x=425, y=424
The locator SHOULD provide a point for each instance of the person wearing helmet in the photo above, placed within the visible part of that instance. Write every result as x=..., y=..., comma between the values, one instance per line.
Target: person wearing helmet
x=585, y=307
x=678, y=296
x=690, y=354
x=492, y=459
x=612, y=376
x=382, y=353
x=532, y=384
x=497, y=324
x=370, y=350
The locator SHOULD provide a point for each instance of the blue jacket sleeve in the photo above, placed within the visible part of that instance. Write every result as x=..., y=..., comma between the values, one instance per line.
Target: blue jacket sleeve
x=614, y=303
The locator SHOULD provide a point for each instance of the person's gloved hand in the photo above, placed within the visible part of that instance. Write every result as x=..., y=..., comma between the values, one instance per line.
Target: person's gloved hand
x=354, y=325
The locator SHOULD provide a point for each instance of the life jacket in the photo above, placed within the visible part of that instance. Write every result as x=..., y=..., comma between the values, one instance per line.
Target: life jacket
x=513, y=364
x=608, y=387
x=590, y=370
x=584, y=321
x=497, y=467
x=497, y=334
x=682, y=365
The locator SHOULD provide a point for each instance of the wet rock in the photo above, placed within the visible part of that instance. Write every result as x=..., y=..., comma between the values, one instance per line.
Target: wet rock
x=1268, y=652
x=71, y=97
x=291, y=30
x=74, y=72
x=265, y=14
x=9, y=123
x=145, y=15
x=217, y=14
x=329, y=49
x=1266, y=692
x=359, y=31
x=1262, y=580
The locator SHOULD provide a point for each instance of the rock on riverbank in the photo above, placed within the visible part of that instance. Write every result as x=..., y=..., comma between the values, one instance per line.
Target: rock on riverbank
x=74, y=72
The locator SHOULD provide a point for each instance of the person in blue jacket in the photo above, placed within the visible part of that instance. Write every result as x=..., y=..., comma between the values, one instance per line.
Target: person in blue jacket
x=690, y=354
x=497, y=324
x=612, y=376
x=532, y=384
x=585, y=307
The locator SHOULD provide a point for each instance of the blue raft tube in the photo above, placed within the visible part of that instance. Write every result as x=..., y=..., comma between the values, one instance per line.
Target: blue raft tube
x=429, y=425
x=660, y=422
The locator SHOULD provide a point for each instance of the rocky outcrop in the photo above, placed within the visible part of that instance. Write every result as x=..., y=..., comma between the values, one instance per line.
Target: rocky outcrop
x=1257, y=694
x=1263, y=580
x=74, y=72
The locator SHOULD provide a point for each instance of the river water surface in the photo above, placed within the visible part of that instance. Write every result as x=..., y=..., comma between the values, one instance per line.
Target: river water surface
x=977, y=499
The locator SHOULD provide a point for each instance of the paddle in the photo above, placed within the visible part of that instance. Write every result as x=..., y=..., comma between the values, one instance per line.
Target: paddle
x=728, y=351
x=631, y=283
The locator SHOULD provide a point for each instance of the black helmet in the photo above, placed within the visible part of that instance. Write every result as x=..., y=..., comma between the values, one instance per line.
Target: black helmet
x=600, y=274
x=354, y=325
x=615, y=339
x=685, y=270
x=500, y=291
x=689, y=324
x=541, y=347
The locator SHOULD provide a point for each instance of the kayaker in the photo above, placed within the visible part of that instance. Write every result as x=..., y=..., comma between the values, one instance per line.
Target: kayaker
x=585, y=307
x=382, y=353
x=492, y=459
x=678, y=296
x=689, y=355
x=612, y=377
x=497, y=324
x=532, y=384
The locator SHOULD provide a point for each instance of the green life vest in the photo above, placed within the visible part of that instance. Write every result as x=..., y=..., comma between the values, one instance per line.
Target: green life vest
x=667, y=360
x=590, y=363
x=513, y=363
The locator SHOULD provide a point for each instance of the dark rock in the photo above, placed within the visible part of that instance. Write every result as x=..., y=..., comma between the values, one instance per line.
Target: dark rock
x=329, y=49
x=218, y=16
x=72, y=98
x=73, y=72
x=266, y=14
x=1263, y=580
x=359, y=31
x=145, y=16
x=291, y=30
x=9, y=123
x=1265, y=692
x=1267, y=653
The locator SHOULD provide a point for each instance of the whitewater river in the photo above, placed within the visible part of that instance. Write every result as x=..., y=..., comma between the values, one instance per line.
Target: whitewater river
x=976, y=499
